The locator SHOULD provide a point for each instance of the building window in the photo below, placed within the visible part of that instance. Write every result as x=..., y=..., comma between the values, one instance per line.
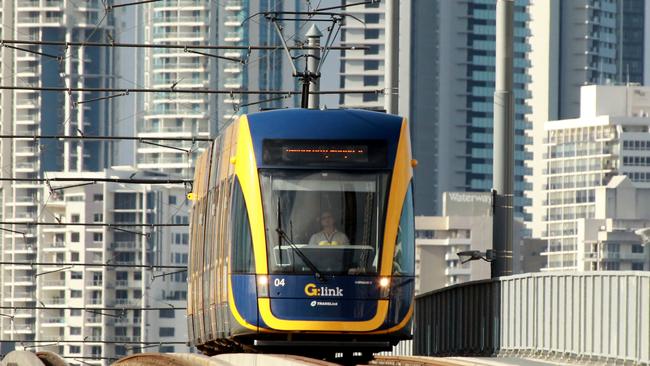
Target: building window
x=98, y=237
x=166, y=332
x=373, y=49
x=167, y=313
x=74, y=237
x=75, y=330
x=76, y=275
x=371, y=33
x=125, y=201
x=424, y=234
x=74, y=256
x=172, y=200
x=371, y=65
x=98, y=217
x=370, y=80
x=75, y=349
x=370, y=97
x=75, y=294
x=637, y=248
x=120, y=350
x=97, y=197
x=167, y=349
x=637, y=266
x=372, y=18
x=75, y=312
x=74, y=218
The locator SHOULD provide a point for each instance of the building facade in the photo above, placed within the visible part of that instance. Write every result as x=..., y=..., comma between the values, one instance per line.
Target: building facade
x=169, y=114
x=83, y=302
x=31, y=112
x=581, y=155
x=449, y=96
x=224, y=23
x=363, y=70
x=576, y=43
x=610, y=241
x=466, y=224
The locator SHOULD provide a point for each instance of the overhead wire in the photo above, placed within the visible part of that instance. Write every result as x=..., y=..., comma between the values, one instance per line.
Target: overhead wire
x=282, y=95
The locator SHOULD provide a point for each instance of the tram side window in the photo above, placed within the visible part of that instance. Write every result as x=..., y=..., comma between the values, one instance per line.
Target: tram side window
x=404, y=259
x=242, y=243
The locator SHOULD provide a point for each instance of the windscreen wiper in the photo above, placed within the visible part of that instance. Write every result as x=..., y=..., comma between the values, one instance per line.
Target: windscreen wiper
x=319, y=276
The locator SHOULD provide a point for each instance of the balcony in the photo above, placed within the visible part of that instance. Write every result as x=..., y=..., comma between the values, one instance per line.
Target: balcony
x=53, y=321
x=53, y=283
x=22, y=328
x=458, y=271
x=23, y=280
x=127, y=302
x=94, y=301
x=123, y=245
x=54, y=301
x=234, y=5
x=96, y=319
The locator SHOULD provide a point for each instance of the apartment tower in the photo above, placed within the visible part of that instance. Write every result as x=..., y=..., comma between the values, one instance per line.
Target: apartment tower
x=31, y=112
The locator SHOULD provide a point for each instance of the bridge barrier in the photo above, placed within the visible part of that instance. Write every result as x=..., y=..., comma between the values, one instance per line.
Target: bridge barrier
x=601, y=315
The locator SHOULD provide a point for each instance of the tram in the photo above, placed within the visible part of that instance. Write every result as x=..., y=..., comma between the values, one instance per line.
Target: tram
x=302, y=235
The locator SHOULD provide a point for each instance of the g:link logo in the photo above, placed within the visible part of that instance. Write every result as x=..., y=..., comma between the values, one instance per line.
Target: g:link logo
x=312, y=290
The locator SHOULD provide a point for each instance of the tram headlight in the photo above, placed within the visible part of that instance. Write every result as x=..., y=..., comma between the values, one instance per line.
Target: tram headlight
x=384, y=287
x=262, y=286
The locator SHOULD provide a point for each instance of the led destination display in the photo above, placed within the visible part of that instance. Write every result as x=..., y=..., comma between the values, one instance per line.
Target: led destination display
x=357, y=153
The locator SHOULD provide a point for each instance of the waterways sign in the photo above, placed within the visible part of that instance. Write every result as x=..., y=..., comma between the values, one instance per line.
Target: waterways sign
x=467, y=203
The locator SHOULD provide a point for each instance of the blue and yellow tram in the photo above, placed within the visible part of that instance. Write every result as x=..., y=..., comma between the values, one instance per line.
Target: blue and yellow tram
x=302, y=234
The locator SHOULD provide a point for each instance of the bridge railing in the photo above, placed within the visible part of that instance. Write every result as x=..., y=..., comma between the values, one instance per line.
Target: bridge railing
x=593, y=315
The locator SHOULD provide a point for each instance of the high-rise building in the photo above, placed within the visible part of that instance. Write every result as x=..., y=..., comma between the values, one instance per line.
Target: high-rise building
x=263, y=69
x=449, y=96
x=168, y=114
x=576, y=43
x=200, y=22
x=98, y=292
x=581, y=155
x=30, y=112
x=363, y=70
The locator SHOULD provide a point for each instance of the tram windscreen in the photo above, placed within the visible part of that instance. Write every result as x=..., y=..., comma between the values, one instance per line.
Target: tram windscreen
x=333, y=219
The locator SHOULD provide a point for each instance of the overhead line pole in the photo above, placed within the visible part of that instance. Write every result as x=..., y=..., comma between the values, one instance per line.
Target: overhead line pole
x=503, y=145
x=391, y=66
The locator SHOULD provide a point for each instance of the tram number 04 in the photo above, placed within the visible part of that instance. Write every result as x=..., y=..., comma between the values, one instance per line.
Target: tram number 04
x=278, y=282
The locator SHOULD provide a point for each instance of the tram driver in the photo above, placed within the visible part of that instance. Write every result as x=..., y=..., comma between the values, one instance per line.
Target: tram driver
x=328, y=235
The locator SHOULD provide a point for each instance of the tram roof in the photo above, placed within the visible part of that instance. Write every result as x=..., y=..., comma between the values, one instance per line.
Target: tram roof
x=333, y=124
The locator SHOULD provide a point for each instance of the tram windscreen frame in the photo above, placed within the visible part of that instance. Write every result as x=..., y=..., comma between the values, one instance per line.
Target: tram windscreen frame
x=296, y=202
x=325, y=153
